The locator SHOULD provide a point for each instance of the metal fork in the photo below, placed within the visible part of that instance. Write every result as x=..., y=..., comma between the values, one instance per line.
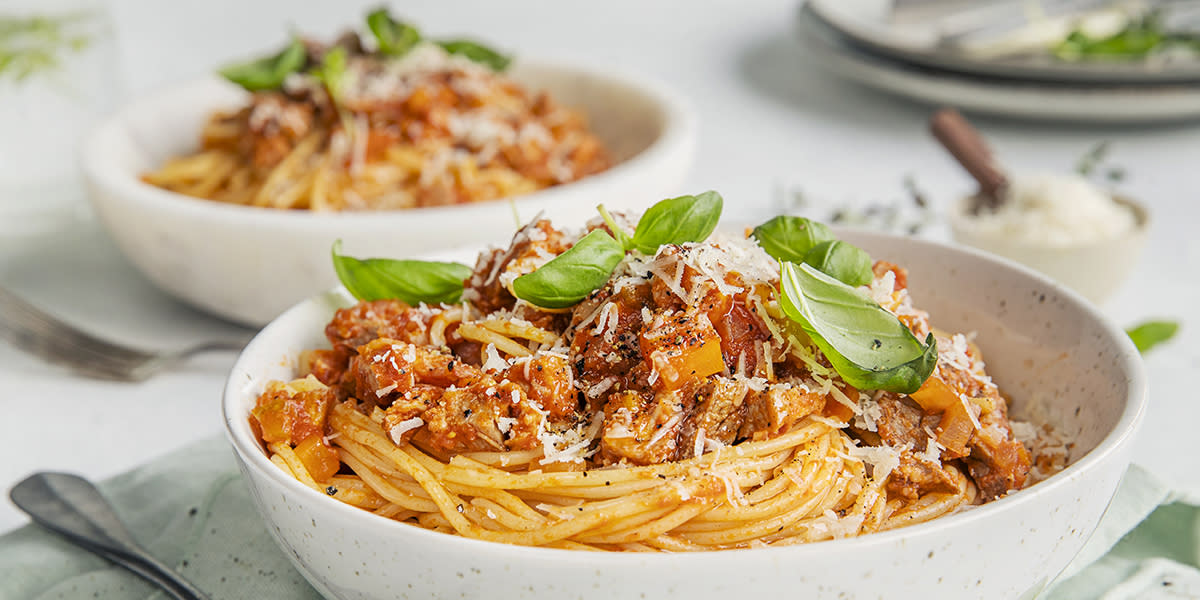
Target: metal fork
x=38, y=333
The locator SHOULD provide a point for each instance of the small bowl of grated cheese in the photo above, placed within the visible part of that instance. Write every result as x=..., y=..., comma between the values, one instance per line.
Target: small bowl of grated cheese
x=1062, y=225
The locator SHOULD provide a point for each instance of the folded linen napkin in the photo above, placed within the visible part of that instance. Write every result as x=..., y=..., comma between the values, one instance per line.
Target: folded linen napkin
x=192, y=510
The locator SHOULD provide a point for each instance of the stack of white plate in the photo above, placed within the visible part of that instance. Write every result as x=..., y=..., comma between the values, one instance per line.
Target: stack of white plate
x=890, y=46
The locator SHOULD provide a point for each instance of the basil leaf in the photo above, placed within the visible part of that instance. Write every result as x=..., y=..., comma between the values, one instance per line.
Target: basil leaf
x=478, y=53
x=571, y=276
x=413, y=281
x=332, y=71
x=868, y=346
x=790, y=238
x=1152, y=333
x=393, y=37
x=267, y=73
x=678, y=220
x=843, y=261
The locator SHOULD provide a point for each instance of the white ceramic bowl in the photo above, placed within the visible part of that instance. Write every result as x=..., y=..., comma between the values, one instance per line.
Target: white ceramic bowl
x=1047, y=347
x=1095, y=269
x=248, y=264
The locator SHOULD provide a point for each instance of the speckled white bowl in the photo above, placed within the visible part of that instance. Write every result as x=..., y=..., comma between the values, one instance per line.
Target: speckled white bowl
x=1047, y=347
x=248, y=264
x=1095, y=269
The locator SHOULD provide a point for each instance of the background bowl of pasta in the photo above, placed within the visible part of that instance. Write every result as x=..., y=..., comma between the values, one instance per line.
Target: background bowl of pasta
x=1057, y=358
x=247, y=263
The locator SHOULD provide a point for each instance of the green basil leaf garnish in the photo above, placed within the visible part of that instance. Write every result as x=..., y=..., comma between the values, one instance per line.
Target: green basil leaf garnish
x=477, y=52
x=268, y=73
x=413, y=281
x=332, y=71
x=868, y=346
x=843, y=261
x=393, y=37
x=678, y=220
x=1152, y=333
x=569, y=277
x=790, y=238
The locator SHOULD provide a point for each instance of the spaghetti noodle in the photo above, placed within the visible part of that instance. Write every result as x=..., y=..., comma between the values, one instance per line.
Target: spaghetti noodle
x=429, y=128
x=674, y=409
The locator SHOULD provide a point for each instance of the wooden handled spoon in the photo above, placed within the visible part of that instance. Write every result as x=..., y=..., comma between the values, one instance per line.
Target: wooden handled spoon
x=968, y=147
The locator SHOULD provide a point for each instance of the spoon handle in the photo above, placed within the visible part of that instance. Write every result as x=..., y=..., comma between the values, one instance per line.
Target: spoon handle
x=967, y=146
x=159, y=574
x=71, y=506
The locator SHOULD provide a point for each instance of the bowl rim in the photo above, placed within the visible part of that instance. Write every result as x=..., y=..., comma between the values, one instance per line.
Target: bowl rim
x=253, y=458
x=676, y=115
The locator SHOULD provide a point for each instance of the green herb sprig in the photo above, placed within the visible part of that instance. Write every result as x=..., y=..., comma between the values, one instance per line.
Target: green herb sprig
x=268, y=73
x=393, y=39
x=801, y=240
x=1139, y=39
x=396, y=38
x=413, y=281
x=868, y=347
x=477, y=52
x=1152, y=333
x=842, y=261
x=38, y=44
x=570, y=277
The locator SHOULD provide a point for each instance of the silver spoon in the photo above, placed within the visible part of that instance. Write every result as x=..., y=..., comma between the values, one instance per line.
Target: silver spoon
x=71, y=506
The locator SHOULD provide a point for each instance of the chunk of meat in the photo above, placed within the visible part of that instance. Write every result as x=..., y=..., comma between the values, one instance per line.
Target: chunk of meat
x=998, y=462
x=916, y=475
x=404, y=415
x=606, y=349
x=386, y=368
x=681, y=347
x=904, y=426
x=642, y=430
x=328, y=366
x=550, y=383
x=276, y=124
x=719, y=411
x=532, y=246
x=292, y=412
x=352, y=327
x=902, y=422
x=446, y=406
x=463, y=420
x=772, y=411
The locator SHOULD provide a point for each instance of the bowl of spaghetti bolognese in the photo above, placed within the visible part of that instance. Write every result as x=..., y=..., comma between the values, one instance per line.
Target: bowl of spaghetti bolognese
x=799, y=409
x=447, y=144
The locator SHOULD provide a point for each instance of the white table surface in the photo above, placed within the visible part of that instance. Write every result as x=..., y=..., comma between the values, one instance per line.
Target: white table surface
x=770, y=121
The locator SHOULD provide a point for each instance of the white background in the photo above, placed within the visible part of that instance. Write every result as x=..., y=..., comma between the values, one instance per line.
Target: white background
x=771, y=121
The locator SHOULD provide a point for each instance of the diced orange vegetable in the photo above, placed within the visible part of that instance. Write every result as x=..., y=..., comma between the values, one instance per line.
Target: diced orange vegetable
x=291, y=412
x=319, y=458
x=955, y=429
x=836, y=410
x=935, y=395
x=684, y=347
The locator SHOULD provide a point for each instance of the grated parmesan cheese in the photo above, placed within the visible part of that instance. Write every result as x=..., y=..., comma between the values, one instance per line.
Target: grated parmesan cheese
x=403, y=427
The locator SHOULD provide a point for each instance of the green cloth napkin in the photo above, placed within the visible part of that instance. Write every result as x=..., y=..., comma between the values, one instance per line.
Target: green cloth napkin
x=192, y=510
